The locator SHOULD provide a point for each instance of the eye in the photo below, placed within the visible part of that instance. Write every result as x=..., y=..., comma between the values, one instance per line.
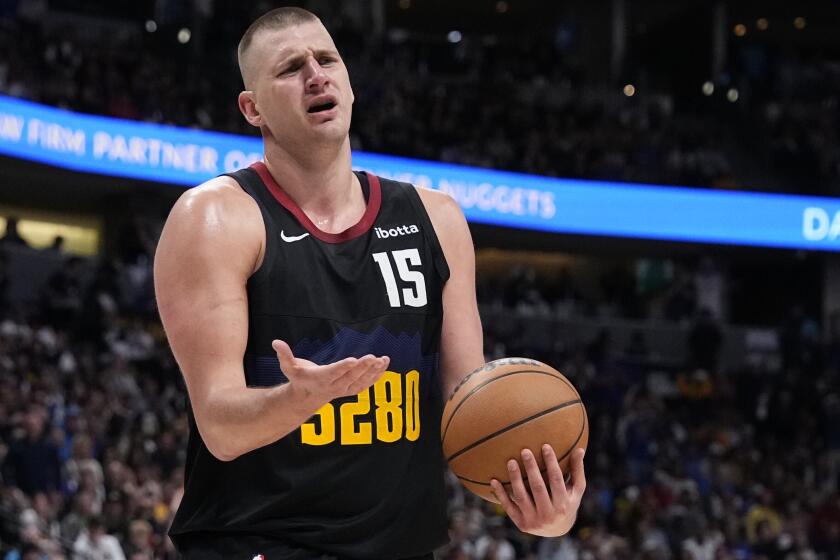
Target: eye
x=291, y=68
x=326, y=60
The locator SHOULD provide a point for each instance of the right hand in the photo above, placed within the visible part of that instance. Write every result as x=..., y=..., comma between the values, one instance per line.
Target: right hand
x=320, y=384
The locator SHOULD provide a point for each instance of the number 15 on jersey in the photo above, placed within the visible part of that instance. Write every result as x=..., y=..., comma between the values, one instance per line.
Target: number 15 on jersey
x=414, y=296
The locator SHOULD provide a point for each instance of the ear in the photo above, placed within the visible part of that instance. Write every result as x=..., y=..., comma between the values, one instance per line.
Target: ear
x=248, y=107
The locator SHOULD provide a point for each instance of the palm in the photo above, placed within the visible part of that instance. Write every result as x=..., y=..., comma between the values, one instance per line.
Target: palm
x=325, y=382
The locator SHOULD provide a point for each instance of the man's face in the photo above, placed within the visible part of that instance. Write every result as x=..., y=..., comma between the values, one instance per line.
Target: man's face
x=34, y=424
x=300, y=84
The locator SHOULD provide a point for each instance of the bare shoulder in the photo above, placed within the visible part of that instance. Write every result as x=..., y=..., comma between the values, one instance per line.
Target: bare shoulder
x=216, y=218
x=447, y=217
x=217, y=198
x=437, y=201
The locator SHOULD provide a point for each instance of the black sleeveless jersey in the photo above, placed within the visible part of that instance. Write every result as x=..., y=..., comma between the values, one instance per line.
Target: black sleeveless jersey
x=362, y=478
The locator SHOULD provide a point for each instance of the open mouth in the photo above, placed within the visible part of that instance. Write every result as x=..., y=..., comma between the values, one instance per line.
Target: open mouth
x=320, y=108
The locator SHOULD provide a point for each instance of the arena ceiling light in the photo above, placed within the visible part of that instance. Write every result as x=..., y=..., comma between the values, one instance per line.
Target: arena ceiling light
x=184, y=35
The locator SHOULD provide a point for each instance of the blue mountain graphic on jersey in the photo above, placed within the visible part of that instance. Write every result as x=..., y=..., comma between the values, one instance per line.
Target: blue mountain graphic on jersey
x=405, y=351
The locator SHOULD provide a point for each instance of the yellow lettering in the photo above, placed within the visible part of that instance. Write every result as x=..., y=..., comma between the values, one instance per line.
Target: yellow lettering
x=387, y=394
x=311, y=436
x=393, y=421
x=412, y=405
x=348, y=412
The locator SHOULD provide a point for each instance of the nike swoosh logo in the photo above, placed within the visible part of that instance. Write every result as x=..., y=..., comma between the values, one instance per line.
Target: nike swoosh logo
x=290, y=238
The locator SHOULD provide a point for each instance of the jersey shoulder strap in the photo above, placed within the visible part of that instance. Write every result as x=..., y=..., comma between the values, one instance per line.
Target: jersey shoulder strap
x=250, y=182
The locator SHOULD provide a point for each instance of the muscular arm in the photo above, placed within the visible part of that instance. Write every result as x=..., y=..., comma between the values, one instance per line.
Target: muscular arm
x=462, y=340
x=547, y=507
x=211, y=244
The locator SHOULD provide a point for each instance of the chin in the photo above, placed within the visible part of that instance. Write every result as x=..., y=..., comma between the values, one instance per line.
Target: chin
x=331, y=130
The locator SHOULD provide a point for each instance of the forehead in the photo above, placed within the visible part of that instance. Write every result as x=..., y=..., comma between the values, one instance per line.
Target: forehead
x=274, y=44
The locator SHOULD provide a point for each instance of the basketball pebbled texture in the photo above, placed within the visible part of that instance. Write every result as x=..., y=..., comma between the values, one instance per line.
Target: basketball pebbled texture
x=506, y=406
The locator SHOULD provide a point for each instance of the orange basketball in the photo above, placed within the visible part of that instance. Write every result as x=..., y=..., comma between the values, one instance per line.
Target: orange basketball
x=504, y=407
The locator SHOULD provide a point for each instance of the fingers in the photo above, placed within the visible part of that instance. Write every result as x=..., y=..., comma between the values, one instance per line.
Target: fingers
x=346, y=377
x=362, y=375
x=539, y=490
x=342, y=378
x=368, y=377
x=554, y=474
x=511, y=508
x=284, y=355
x=578, y=474
x=520, y=494
x=550, y=507
x=289, y=363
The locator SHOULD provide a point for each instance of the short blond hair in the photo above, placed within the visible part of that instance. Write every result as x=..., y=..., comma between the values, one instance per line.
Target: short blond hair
x=278, y=18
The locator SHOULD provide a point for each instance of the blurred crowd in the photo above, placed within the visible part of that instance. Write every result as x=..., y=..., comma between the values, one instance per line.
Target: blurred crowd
x=92, y=413
x=741, y=463
x=663, y=289
x=527, y=105
x=801, y=116
x=703, y=463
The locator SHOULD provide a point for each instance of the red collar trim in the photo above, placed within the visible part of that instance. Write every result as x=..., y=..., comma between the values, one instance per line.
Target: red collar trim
x=360, y=228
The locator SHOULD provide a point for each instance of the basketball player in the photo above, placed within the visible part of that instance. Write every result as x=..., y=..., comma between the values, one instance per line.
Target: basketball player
x=318, y=316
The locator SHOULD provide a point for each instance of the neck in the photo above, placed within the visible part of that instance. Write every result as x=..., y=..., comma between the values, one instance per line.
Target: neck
x=320, y=181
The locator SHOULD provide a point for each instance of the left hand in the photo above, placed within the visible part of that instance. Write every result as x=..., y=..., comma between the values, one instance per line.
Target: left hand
x=548, y=510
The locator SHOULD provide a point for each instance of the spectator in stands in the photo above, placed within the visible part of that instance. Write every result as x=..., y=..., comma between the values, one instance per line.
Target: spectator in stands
x=140, y=543
x=63, y=294
x=12, y=237
x=82, y=461
x=57, y=246
x=704, y=544
x=494, y=545
x=763, y=522
x=32, y=463
x=93, y=543
x=81, y=510
x=29, y=551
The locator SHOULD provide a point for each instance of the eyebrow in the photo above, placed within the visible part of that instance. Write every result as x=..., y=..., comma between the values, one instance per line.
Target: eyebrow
x=287, y=56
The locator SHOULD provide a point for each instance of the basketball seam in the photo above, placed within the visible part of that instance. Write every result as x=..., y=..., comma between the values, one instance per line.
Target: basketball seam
x=542, y=471
x=511, y=426
x=489, y=381
x=496, y=363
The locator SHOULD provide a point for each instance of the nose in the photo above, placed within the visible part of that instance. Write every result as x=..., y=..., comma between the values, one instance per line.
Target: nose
x=316, y=78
